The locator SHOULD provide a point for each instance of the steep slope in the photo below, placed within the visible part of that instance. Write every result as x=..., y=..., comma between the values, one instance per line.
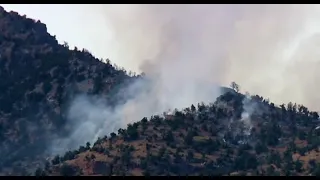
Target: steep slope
x=38, y=77
x=237, y=135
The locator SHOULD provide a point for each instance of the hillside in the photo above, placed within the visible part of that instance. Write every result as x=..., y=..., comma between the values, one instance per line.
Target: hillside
x=205, y=140
x=235, y=135
x=38, y=77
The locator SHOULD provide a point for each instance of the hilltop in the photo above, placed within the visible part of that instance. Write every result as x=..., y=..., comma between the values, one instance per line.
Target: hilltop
x=215, y=139
x=38, y=78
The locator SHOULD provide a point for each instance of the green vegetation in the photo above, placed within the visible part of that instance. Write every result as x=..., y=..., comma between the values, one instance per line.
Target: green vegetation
x=38, y=76
x=180, y=145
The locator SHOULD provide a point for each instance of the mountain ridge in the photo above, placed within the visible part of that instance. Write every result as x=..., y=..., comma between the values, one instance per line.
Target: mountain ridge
x=235, y=135
x=204, y=140
x=39, y=76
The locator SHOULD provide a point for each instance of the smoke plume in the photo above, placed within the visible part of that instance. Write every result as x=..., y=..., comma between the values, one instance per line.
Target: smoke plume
x=186, y=51
x=248, y=109
x=268, y=49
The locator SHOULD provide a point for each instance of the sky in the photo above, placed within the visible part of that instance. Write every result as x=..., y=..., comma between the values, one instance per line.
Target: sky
x=271, y=50
x=72, y=24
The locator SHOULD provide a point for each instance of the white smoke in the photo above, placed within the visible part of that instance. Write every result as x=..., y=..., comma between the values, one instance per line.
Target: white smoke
x=188, y=50
x=248, y=109
x=268, y=49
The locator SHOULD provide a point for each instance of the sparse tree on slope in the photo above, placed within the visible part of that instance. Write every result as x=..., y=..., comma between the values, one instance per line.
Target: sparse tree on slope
x=235, y=86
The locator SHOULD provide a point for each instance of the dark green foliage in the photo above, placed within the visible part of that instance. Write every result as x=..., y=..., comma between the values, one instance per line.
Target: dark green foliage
x=190, y=155
x=67, y=170
x=161, y=152
x=274, y=158
x=189, y=138
x=33, y=64
x=168, y=136
x=132, y=132
x=298, y=166
x=261, y=148
x=316, y=172
x=98, y=84
x=40, y=172
x=88, y=145
x=113, y=135
x=68, y=156
x=56, y=160
x=245, y=161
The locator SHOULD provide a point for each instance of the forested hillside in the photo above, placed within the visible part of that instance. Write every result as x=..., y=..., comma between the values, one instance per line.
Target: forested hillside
x=221, y=138
x=38, y=77
x=235, y=135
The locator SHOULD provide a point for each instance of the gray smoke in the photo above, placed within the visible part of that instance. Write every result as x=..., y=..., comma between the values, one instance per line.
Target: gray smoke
x=248, y=109
x=188, y=50
x=268, y=49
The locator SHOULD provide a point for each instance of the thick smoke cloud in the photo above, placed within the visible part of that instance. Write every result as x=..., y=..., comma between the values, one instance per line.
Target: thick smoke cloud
x=267, y=49
x=188, y=50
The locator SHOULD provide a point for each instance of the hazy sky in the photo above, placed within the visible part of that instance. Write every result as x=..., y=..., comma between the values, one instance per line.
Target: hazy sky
x=74, y=24
x=272, y=50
